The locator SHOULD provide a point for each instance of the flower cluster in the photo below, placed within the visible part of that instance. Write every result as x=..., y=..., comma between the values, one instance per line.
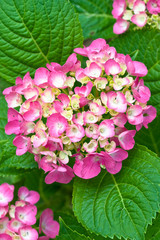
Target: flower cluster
x=137, y=11
x=16, y=220
x=69, y=111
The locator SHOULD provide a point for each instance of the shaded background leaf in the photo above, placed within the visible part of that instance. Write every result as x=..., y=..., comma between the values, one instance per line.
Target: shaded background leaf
x=144, y=46
x=95, y=18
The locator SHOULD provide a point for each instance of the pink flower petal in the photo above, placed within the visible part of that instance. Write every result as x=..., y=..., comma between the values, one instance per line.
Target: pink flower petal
x=26, y=214
x=48, y=225
x=31, y=197
x=139, y=19
x=41, y=77
x=6, y=194
x=120, y=26
x=28, y=233
x=112, y=67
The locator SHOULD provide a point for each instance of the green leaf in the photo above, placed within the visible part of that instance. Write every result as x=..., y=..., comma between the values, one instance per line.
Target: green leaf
x=145, y=43
x=150, y=136
x=9, y=159
x=121, y=205
x=34, y=32
x=95, y=18
x=3, y=119
x=73, y=224
x=3, y=84
x=67, y=233
x=153, y=231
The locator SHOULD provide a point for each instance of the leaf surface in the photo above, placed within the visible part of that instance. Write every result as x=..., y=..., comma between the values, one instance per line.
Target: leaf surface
x=95, y=18
x=121, y=205
x=34, y=32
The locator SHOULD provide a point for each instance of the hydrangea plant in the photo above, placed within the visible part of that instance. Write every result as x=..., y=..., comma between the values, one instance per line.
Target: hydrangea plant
x=79, y=132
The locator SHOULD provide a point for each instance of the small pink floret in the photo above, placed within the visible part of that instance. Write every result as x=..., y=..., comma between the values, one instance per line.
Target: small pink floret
x=49, y=226
x=41, y=77
x=57, y=124
x=26, y=214
x=6, y=194
x=61, y=174
x=28, y=233
x=31, y=197
x=112, y=67
x=120, y=26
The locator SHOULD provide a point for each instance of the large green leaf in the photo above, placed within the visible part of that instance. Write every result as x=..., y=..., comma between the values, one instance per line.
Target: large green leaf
x=34, y=32
x=144, y=44
x=123, y=204
x=95, y=18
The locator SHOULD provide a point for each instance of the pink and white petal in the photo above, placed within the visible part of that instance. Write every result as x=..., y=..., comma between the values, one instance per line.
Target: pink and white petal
x=4, y=224
x=3, y=211
x=28, y=233
x=41, y=77
x=119, y=155
x=139, y=6
x=13, y=127
x=6, y=194
x=126, y=139
x=57, y=79
x=94, y=71
x=120, y=26
x=112, y=67
x=31, y=93
x=13, y=99
x=139, y=19
x=14, y=225
x=34, y=112
x=26, y=214
x=31, y=197
x=64, y=99
x=47, y=96
x=48, y=225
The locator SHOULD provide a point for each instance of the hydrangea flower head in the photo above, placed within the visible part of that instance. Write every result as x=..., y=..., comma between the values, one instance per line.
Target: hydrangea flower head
x=69, y=112
x=16, y=221
x=139, y=12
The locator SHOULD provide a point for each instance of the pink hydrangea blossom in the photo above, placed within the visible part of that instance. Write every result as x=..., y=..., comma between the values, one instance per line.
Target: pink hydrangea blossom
x=70, y=111
x=22, y=216
x=135, y=11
